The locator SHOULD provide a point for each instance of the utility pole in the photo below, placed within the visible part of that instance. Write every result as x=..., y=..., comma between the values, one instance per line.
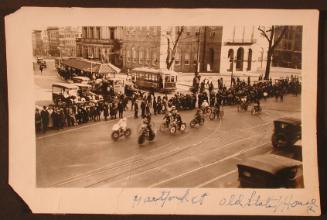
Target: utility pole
x=232, y=75
x=198, y=53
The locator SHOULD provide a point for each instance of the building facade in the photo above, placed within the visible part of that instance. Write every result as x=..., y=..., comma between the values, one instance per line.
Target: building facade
x=53, y=36
x=67, y=41
x=288, y=52
x=243, y=51
x=37, y=43
x=100, y=44
x=148, y=46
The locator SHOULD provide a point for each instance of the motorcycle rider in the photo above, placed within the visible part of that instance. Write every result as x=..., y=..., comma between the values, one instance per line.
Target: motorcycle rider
x=146, y=122
x=198, y=115
x=176, y=116
x=122, y=124
x=204, y=105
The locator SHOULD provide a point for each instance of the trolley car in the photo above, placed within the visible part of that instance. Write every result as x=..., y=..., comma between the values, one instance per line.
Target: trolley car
x=160, y=80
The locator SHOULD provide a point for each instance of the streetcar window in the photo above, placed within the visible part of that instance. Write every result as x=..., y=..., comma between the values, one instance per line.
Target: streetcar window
x=172, y=79
x=167, y=78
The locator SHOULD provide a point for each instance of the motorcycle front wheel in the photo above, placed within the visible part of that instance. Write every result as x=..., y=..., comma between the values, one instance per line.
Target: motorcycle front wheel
x=115, y=135
x=193, y=123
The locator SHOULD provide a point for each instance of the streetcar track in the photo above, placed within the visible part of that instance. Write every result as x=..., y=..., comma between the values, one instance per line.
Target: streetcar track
x=178, y=150
x=165, y=165
x=207, y=165
x=129, y=160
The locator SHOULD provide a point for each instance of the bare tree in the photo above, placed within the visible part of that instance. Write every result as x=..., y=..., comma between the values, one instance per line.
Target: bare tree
x=171, y=52
x=273, y=41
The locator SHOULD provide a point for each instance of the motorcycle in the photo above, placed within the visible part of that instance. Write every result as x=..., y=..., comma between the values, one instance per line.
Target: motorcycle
x=217, y=113
x=196, y=121
x=117, y=132
x=243, y=106
x=256, y=109
x=145, y=134
x=206, y=110
x=172, y=126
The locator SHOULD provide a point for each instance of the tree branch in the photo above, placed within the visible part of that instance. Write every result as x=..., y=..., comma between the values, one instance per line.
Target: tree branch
x=263, y=33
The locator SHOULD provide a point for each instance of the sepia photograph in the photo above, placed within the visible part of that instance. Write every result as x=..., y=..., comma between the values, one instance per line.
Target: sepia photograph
x=164, y=111
x=168, y=106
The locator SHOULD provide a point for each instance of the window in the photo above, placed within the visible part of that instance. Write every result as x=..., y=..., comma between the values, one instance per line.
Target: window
x=112, y=33
x=172, y=79
x=141, y=56
x=195, y=58
x=128, y=55
x=212, y=34
x=91, y=32
x=98, y=33
x=167, y=78
x=147, y=55
x=134, y=55
x=187, y=59
x=178, y=57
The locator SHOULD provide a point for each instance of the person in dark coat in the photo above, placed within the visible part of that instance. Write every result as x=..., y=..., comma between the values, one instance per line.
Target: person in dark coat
x=154, y=104
x=38, y=121
x=45, y=119
x=105, y=111
x=136, y=109
x=120, y=109
x=143, y=108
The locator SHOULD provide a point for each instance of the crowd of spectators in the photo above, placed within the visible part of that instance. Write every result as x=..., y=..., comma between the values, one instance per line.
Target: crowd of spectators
x=143, y=103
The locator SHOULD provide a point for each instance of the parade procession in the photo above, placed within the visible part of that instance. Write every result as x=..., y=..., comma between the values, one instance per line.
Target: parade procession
x=188, y=113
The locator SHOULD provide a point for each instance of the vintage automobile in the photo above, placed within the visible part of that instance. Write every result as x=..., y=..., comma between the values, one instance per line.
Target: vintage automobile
x=64, y=93
x=81, y=79
x=286, y=132
x=270, y=171
x=84, y=92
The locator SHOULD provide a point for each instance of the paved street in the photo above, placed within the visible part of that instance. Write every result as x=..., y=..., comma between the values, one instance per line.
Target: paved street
x=85, y=156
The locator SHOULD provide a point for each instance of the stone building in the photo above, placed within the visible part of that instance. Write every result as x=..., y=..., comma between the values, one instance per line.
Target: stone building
x=100, y=44
x=288, y=53
x=37, y=43
x=67, y=41
x=53, y=36
x=243, y=51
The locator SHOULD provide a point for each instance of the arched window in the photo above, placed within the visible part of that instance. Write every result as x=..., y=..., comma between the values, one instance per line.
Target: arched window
x=239, y=59
x=249, y=59
x=231, y=59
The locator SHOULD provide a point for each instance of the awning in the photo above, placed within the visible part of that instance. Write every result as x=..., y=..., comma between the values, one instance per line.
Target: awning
x=89, y=66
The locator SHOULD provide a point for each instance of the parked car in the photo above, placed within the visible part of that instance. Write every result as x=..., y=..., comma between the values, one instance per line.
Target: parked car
x=270, y=171
x=286, y=132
